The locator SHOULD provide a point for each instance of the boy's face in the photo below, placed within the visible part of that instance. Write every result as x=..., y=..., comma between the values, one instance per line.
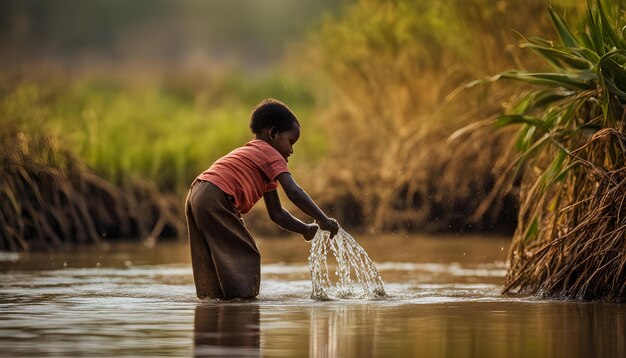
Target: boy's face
x=284, y=141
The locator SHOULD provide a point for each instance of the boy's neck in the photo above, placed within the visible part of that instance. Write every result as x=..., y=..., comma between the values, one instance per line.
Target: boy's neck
x=264, y=136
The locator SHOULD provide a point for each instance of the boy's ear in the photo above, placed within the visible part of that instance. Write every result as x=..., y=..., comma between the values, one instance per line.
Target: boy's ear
x=271, y=133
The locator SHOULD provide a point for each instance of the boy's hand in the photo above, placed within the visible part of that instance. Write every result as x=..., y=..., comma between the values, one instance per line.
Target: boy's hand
x=309, y=234
x=330, y=225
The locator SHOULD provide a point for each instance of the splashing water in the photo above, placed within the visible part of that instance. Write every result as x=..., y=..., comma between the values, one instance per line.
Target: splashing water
x=351, y=257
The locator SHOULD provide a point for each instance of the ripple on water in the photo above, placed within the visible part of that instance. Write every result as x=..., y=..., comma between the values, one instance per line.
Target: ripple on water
x=280, y=282
x=88, y=311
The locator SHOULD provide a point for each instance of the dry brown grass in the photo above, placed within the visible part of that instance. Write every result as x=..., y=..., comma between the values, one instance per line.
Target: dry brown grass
x=580, y=249
x=50, y=199
x=391, y=66
x=571, y=237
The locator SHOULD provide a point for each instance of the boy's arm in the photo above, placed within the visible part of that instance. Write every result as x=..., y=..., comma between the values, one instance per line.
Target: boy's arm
x=304, y=202
x=284, y=219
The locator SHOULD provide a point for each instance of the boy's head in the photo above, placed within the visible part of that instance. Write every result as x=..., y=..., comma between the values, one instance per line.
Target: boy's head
x=272, y=113
x=273, y=122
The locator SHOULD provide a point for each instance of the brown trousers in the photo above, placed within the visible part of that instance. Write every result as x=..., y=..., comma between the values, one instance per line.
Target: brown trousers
x=224, y=257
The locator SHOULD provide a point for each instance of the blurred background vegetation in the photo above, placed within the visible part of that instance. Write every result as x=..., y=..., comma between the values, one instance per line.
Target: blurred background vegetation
x=158, y=90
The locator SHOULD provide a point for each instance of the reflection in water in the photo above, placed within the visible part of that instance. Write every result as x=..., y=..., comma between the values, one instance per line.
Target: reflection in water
x=226, y=329
x=338, y=331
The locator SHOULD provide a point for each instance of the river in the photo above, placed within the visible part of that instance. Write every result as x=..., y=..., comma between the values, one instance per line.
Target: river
x=128, y=299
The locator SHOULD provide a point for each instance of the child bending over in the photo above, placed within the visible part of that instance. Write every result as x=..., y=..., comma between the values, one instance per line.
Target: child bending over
x=225, y=259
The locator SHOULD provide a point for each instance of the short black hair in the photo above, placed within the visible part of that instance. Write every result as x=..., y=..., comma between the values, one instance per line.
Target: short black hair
x=272, y=113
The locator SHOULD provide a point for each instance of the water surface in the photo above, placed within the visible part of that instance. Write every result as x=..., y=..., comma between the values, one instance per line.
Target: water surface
x=132, y=300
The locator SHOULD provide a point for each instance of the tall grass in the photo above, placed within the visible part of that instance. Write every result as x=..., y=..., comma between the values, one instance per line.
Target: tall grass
x=571, y=237
x=167, y=131
x=49, y=199
x=375, y=109
x=134, y=147
x=391, y=66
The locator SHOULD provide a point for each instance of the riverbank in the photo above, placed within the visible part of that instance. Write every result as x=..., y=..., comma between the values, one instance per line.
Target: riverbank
x=50, y=199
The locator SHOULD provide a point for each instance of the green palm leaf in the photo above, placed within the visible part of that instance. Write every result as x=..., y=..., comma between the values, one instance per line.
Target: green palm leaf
x=561, y=58
x=612, y=73
x=564, y=32
x=575, y=81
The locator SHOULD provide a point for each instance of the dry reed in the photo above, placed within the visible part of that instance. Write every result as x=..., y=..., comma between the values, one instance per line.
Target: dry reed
x=391, y=66
x=49, y=199
x=580, y=249
x=571, y=237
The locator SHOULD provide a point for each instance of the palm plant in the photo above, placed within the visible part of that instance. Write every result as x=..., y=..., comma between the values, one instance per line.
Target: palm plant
x=571, y=237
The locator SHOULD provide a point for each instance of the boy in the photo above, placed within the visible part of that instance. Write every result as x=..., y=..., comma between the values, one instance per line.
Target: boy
x=225, y=259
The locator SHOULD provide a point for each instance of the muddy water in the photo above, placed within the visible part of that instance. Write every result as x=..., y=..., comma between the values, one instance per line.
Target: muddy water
x=444, y=301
